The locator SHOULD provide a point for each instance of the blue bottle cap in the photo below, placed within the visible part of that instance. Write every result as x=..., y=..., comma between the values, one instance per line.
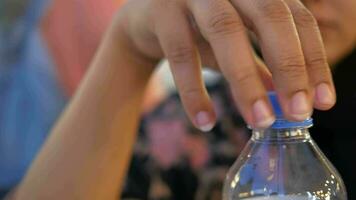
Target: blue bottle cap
x=281, y=122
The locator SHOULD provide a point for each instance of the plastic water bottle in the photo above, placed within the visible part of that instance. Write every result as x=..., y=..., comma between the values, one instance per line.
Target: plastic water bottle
x=283, y=163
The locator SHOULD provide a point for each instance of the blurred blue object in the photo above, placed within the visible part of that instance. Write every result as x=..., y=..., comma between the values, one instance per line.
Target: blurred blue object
x=30, y=98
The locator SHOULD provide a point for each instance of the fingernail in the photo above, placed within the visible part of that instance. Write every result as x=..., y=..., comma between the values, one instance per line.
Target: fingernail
x=299, y=106
x=324, y=94
x=262, y=114
x=203, y=121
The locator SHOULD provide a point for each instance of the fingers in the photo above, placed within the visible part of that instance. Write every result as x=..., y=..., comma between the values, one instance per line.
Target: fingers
x=273, y=24
x=290, y=43
x=222, y=27
x=265, y=74
x=176, y=39
x=316, y=61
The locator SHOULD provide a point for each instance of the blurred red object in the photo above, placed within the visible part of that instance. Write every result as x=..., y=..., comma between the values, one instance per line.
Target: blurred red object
x=72, y=31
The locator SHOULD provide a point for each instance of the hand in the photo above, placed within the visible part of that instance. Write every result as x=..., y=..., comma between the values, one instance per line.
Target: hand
x=192, y=33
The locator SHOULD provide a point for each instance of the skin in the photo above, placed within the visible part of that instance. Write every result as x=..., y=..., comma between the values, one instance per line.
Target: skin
x=336, y=19
x=217, y=37
x=86, y=158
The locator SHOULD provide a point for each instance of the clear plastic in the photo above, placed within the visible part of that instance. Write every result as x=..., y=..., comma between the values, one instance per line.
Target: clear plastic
x=283, y=164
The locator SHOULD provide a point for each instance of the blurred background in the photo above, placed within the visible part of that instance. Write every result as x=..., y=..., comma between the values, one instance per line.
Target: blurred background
x=45, y=48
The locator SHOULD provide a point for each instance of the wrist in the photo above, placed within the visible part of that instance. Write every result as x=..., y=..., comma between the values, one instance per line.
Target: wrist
x=119, y=57
x=120, y=32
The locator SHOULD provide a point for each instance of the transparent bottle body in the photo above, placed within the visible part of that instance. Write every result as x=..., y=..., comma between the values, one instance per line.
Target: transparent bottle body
x=283, y=164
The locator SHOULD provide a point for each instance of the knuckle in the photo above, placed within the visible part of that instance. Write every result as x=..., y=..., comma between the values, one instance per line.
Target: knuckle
x=179, y=53
x=244, y=78
x=291, y=67
x=163, y=3
x=190, y=92
x=224, y=23
x=319, y=68
x=303, y=17
x=317, y=59
x=274, y=10
x=156, y=5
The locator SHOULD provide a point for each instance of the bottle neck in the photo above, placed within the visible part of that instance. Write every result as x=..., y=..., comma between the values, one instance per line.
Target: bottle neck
x=281, y=135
